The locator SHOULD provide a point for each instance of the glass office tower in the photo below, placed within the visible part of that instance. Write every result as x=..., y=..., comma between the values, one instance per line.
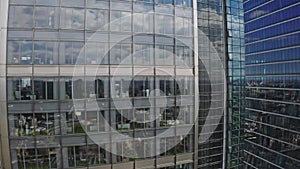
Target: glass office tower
x=272, y=83
x=120, y=83
x=223, y=25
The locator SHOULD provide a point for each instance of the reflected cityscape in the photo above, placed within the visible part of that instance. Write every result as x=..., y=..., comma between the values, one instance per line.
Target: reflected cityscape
x=272, y=84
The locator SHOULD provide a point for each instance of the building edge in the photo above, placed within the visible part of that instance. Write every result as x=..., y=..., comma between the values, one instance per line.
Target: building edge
x=196, y=82
x=5, y=160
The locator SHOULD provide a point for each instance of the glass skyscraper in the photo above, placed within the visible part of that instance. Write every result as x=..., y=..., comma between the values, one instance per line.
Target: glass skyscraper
x=272, y=83
x=121, y=84
x=223, y=25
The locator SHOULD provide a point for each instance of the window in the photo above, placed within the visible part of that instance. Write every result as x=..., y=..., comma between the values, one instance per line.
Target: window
x=145, y=148
x=166, y=86
x=77, y=156
x=124, y=151
x=184, y=3
x=97, y=87
x=168, y=116
x=184, y=26
x=164, y=2
x=66, y=88
x=20, y=89
x=37, y=124
x=72, y=18
x=164, y=24
x=167, y=146
x=185, y=115
x=185, y=144
x=71, y=122
x=78, y=89
x=77, y=3
x=37, y=158
x=123, y=119
x=120, y=21
x=142, y=7
x=45, y=52
x=96, y=53
x=143, y=118
x=143, y=54
x=184, y=56
x=46, y=17
x=96, y=19
x=103, y=4
x=19, y=52
x=93, y=155
x=45, y=89
x=70, y=53
x=121, y=54
x=120, y=87
x=143, y=22
x=15, y=21
x=142, y=86
x=164, y=55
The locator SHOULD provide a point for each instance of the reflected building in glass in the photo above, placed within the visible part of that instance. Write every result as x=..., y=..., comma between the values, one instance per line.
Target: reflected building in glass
x=121, y=84
x=272, y=83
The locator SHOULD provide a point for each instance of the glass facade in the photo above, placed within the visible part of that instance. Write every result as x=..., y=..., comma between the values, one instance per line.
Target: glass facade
x=116, y=84
x=222, y=23
x=272, y=84
x=211, y=49
x=236, y=81
x=135, y=44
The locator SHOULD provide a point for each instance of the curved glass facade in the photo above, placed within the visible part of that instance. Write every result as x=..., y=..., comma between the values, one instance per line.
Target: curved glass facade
x=125, y=50
x=272, y=83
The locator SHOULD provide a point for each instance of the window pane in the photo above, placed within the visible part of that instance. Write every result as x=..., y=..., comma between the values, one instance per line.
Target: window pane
x=20, y=88
x=164, y=24
x=15, y=21
x=46, y=17
x=45, y=89
x=72, y=18
x=19, y=52
x=120, y=21
x=45, y=52
x=97, y=87
x=164, y=55
x=70, y=52
x=121, y=54
x=143, y=54
x=143, y=22
x=96, y=19
x=96, y=53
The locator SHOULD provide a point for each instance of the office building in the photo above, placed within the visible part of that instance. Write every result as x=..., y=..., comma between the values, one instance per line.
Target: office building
x=119, y=84
x=226, y=33
x=272, y=83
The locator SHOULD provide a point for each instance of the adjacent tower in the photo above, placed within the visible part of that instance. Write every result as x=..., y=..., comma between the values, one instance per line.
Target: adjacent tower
x=272, y=83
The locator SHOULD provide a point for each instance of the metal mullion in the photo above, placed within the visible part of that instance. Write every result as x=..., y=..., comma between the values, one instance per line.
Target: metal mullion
x=154, y=81
x=109, y=82
x=174, y=81
x=59, y=103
